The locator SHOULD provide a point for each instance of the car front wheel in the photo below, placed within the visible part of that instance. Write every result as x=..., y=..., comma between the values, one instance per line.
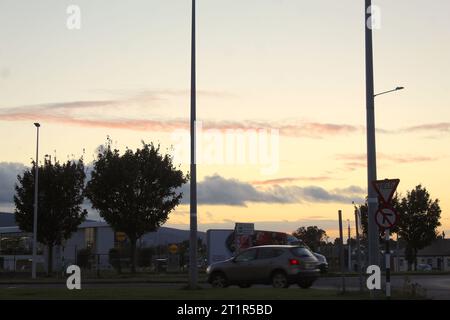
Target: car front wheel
x=218, y=280
x=279, y=280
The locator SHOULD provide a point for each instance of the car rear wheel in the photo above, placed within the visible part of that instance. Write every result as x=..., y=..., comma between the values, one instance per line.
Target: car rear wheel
x=305, y=284
x=218, y=280
x=279, y=280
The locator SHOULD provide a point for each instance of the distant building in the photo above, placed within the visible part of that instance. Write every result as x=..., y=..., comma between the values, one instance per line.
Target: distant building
x=437, y=255
x=16, y=245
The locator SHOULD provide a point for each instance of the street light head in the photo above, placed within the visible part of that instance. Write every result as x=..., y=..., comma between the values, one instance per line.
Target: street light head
x=399, y=88
x=37, y=124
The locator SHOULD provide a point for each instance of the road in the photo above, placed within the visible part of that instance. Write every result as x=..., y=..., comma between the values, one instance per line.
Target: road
x=437, y=286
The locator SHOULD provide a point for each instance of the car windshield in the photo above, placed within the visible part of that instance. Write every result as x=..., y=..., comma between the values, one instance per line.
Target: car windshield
x=302, y=252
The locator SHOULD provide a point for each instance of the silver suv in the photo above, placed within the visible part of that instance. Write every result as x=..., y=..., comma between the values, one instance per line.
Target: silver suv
x=279, y=265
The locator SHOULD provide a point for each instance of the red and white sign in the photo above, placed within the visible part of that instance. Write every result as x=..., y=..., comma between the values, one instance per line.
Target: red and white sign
x=386, y=217
x=386, y=188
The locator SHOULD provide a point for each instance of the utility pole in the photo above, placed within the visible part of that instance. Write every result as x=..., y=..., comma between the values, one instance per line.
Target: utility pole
x=358, y=246
x=372, y=200
x=36, y=182
x=349, y=247
x=193, y=272
x=341, y=250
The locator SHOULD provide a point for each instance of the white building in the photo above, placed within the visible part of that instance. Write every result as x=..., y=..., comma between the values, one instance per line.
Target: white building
x=437, y=255
x=96, y=235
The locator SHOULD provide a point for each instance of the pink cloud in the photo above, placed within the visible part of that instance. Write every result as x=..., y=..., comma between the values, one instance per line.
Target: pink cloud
x=63, y=113
x=288, y=180
x=442, y=127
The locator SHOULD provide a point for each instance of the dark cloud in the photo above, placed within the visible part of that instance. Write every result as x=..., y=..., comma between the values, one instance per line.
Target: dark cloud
x=8, y=179
x=216, y=190
x=296, y=194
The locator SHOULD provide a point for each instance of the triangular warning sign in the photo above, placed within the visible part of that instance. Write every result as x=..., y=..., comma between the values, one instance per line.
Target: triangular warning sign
x=386, y=188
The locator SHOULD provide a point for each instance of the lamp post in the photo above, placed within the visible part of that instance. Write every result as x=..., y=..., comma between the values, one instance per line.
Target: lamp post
x=372, y=199
x=36, y=175
x=193, y=272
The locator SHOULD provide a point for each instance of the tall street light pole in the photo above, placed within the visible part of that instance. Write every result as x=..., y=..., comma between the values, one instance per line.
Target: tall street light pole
x=371, y=148
x=372, y=200
x=36, y=175
x=193, y=272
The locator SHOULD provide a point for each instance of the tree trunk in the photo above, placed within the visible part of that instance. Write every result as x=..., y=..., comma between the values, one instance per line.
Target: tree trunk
x=133, y=255
x=50, y=260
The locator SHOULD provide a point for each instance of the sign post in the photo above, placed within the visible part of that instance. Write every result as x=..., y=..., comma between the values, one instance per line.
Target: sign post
x=386, y=218
x=173, y=261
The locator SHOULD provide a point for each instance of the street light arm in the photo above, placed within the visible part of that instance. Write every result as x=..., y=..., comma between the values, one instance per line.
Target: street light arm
x=389, y=91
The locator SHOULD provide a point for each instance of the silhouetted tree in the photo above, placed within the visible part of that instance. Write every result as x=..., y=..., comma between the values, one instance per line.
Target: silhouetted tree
x=312, y=236
x=419, y=219
x=60, y=195
x=136, y=191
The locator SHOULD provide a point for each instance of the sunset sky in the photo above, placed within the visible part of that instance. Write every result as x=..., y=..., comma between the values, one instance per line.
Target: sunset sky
x=295, y=67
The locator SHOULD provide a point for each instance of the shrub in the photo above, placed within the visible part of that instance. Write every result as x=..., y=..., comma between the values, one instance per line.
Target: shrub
x=84, y=258
x=114, y=259
x=145, y=256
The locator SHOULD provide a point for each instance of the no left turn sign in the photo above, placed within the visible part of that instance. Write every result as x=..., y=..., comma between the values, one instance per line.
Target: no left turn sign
x=386, y=217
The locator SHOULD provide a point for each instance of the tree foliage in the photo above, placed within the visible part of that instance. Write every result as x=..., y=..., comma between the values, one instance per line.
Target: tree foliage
x=419, y=219
x=60, y=195
x=312, y=236
x=136, y=191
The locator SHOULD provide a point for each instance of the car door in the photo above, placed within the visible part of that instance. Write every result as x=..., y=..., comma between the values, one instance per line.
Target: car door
x=266, y=261
x=242, y=267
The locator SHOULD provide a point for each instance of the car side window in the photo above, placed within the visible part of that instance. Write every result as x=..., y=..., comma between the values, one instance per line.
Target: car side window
x=268, y=253
x=248, y=255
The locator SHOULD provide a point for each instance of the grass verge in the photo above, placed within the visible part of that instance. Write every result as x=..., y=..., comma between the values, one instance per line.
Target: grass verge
x=178, y=294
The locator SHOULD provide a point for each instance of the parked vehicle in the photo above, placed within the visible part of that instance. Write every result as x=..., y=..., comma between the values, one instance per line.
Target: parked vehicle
x=424, y=267
x=323, y=263
x=279, y=265
x=222, y=243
